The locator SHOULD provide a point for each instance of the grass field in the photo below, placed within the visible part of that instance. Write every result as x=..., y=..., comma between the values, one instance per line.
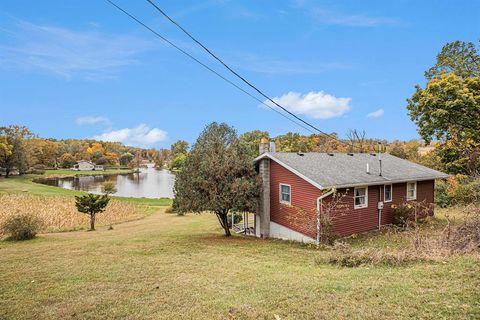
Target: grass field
x=180, y=267
x=165, y=266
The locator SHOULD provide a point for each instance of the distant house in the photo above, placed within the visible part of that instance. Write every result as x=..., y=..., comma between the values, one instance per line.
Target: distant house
x=84, y=165
x=297, y=184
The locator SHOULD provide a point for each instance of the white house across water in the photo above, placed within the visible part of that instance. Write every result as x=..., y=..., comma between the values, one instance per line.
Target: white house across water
x=84, y=165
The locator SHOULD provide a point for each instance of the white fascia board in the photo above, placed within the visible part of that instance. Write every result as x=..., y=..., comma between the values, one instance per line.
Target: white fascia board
x=377, y=183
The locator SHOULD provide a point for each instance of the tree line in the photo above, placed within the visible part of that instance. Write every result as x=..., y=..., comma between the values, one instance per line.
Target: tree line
x=23, y=151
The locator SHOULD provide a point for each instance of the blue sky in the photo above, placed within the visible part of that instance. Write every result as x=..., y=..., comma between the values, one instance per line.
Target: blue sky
x=80, y=68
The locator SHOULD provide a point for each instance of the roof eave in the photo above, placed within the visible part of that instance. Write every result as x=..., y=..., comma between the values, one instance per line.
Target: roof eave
x=376, y=183
x=289, y=168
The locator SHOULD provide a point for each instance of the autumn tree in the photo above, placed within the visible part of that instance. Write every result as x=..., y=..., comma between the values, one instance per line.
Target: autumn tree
x=179, y=147
x=294, y=142
x=251, y=141
x=448, y=108
x=125, y=158
x=178, y=162
x=5, y=148
x=178, y=153
x=161, y=158
x=42, y=152
x=218, y=176
x=111, y=159
x=14, y=154
x=458, y=57
x=67, y=160
x=397, y=149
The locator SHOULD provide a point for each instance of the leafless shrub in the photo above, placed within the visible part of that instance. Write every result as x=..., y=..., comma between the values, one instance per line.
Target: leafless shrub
x=21, y=227
x=332, y=210
x=464, y=237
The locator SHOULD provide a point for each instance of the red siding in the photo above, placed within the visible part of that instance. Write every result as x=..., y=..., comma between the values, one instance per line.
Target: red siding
x=425, y=192
x=301, y=215
x=304, y=197
x=350, y=220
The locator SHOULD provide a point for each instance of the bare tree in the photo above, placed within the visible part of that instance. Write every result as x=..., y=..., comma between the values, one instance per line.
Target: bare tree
x=331, y=210
x=357, y=141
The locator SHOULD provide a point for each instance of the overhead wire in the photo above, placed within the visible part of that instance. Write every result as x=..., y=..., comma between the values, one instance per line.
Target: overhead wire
x=299, y=121
x=216, y=57
x=206, y=66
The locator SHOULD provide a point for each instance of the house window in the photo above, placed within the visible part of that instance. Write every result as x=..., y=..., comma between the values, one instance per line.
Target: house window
x=361, y=197
x=285, y=193
x=387, y=193
x=411, y=190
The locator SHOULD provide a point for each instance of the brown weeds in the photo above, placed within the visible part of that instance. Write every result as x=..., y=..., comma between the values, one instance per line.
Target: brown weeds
x=59, y=213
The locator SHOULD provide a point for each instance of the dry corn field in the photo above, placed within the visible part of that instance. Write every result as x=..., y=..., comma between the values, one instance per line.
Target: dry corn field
x=59, y=213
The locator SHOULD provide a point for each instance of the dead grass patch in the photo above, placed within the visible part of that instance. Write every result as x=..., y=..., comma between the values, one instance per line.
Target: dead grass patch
x=59, y=213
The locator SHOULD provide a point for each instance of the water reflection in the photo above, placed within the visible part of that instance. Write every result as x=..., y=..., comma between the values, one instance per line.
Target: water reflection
x=148, y=183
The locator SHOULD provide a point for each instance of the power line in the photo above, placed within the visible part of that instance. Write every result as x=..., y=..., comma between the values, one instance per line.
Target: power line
x=206, y=66
x=237, y=74
x=232, y=83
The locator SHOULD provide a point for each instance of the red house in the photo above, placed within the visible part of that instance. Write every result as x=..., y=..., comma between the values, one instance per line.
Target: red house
x=297, y=187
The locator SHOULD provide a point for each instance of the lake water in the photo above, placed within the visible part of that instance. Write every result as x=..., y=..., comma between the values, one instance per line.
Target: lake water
x=148, y=183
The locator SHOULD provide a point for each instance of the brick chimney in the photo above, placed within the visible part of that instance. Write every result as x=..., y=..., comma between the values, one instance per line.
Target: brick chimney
x=264, y=171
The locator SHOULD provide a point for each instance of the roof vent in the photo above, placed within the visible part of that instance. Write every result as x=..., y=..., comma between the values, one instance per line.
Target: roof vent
x=330, y=154
x=373, y=154
x=300, y=154
x=350, y=154
x=368, y=168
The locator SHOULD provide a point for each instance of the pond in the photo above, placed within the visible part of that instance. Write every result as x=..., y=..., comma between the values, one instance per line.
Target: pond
x=148, y=183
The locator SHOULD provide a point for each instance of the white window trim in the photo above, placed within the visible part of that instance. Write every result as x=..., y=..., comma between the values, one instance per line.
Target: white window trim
x=415, y=191
x=280, y=193
x=366, y=198
x=391, y=193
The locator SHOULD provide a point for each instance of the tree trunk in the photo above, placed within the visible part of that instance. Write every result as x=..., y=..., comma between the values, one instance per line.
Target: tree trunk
x=222, y=218
x=7, y=172
x=92, y=222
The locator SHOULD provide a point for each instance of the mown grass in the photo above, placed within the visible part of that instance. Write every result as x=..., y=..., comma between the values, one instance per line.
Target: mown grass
x=68, y=172
x=181, y=267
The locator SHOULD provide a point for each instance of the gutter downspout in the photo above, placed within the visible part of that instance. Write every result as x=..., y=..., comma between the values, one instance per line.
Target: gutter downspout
x=380, y=210
x=319, y=208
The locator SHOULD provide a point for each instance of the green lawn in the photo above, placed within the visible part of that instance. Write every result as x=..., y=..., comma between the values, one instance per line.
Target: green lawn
x=25, y=184
x=181, y=267
x=166, y=266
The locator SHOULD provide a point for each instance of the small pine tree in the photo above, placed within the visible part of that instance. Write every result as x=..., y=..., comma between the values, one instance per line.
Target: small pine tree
x=91, y=204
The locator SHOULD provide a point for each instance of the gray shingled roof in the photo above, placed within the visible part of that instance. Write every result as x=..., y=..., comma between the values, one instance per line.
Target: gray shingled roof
x=343, y=170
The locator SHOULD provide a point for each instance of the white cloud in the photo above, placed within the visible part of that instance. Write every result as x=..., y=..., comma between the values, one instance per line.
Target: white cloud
x=351, y=20
x=326, y=16
x=90, y=55
x=92, y=120
x=318, y=105
x=140, y=136
x=273, y=65
x=376, y=114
